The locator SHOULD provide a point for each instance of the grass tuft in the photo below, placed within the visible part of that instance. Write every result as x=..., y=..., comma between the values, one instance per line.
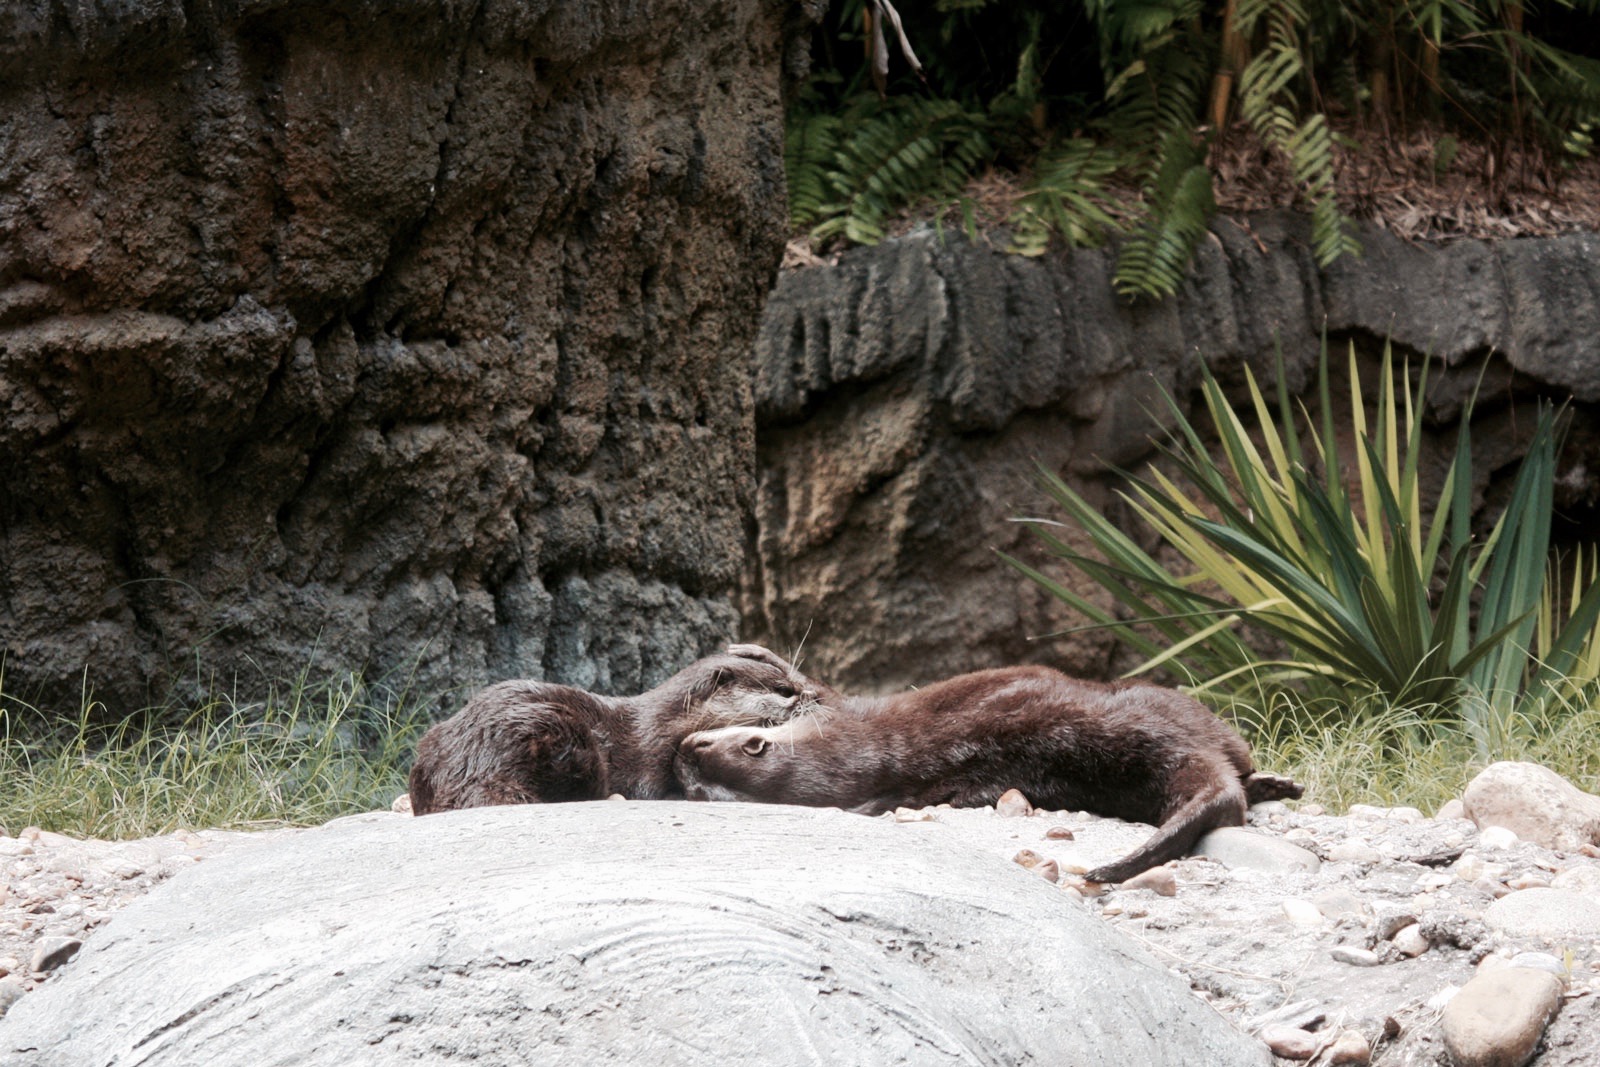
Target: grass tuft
x=311, y=751
x=1370, y=751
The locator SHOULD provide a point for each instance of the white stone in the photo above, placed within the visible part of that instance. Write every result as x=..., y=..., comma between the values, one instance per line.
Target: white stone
x=1557, y=913
x=1410, y=941
x=1452, y=809
x=1497, y=837
x=1236, y=847
x=1354, y=850
x=1302, y=912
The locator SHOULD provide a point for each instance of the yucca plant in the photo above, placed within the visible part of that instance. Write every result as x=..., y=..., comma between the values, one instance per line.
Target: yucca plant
x=1364, y=586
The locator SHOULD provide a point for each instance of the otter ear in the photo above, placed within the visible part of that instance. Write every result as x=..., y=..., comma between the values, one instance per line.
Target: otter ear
x=761, y=654
x=754, y=746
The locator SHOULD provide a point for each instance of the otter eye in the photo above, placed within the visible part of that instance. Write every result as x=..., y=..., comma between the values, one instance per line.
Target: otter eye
x=784, y=689
x=754, y=746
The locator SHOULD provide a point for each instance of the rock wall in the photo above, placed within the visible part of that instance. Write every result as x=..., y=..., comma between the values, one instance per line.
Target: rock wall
x=906, y=393
x=406, y=335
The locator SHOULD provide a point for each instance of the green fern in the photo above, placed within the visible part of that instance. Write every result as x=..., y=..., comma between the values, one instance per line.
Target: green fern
x=901, y=152
x=1154, y=257
x=1266, y=96
x=1067, y=196
x=809, y=147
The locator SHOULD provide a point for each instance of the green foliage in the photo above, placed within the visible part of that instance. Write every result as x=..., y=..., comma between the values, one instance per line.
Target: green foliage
x=853, y=171
x=308, y=753
x=1300, y=580
x=1155, y=84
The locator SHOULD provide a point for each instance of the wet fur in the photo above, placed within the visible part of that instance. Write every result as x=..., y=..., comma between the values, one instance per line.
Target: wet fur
x=523, y=742
x=1132, y=751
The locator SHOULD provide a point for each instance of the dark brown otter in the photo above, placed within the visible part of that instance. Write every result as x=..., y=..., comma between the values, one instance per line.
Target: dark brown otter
x=1132, y=751
x=523, y=742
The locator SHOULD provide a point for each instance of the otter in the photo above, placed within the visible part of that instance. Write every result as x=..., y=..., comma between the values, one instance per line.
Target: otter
x=1129, y=750
x=523, y=742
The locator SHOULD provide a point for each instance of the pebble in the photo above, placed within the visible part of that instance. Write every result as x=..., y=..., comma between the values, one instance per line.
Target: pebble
x=53, y=952
x=1452, y=809
x=1159, y=880
x=1410, y=941
x=1012, y=804
x=1027, y=858
x=1497, y=837
x=1312, y=809
x=1497, y=1018
x=1583, y=879
x=1059, y=833
x=1270, y=807
x=1349, y=1047
x=1354, y=850
x=1049, y=871
x=912, y=815
x=1302, y=912
x=402, y=803
x=9, y=965
x=1529, y=881
x=1356, y=957
x=1337, y=902
x=1291, y=1042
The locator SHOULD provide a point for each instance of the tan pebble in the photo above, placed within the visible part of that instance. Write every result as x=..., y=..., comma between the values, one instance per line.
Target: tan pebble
x=9, y=965
x=402, y=804
x=1454, y=839
x=1410, y=941
x=1492, y=887
x=1291, y=1042
x=1012, y=804
x=616, y=796
x=1529, y=881
x=1111, y=909
x=912, y=815
x=1499, y=1016
x=1049, y=871
x=53, y=840
x=1159, y=880
x=1059, y=833
x=1469, y=868
x=1349, y=1047
x=1300, y=836
x=1302, y=912
x=1434, y=880
x=1592, y=851
x=1086, y=889
x=29, y=833
x=1027, y=858
x=1452, y=809
x=1312, y=809
x=1356, y=957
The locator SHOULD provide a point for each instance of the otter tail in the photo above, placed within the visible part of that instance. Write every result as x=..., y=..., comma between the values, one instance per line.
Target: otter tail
x=1214, y=800
x=1259, y=788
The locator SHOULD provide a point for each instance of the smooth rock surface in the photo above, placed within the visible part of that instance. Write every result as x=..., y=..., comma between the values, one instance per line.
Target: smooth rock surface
x=1234, y=846
x=583, y=934
x=1534, y=802
x=1496, y=1019
x=1558, y=913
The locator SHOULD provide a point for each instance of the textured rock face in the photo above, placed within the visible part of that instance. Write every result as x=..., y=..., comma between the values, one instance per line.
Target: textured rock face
x=408, y=335
x=906, y=394
x=695, y=934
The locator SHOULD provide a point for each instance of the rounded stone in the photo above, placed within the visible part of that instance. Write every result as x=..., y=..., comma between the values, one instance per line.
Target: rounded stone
x=1291, y=1042
x=1235, y=847
x=1534, y=802
x=1558, y=913
x=707, y=933
x=1012, y=804
x=1496, y=1019
x=1159, y=880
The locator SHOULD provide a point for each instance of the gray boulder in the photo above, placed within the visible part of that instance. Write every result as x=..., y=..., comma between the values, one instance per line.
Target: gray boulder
x=663, y=933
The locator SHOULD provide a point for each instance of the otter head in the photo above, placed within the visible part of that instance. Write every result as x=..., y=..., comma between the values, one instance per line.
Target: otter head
x=734, y=763
x=749, y=685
